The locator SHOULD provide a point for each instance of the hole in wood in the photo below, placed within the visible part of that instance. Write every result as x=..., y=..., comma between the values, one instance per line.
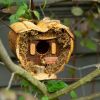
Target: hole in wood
x=42, y=47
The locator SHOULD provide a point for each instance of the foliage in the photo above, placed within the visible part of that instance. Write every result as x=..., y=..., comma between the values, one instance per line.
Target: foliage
x=6, y=3
x=55, y=85
x=44, y=98
x=52, y=86
x=89, y=44
x=37, y=14
x=82, y=27
x=22, y=11
x=21, y=98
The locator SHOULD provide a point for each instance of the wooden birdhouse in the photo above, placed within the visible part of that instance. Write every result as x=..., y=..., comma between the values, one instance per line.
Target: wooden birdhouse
x=42, y=49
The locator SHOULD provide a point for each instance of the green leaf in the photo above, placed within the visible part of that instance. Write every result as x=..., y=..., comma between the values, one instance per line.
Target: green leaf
x=77, y=33
x=21, y=98
x=6, y=3
x=24, y=83
x=95, y=26
x=45, y=98
x=73, y=95
x=89, y=44
x=21, y=10
x=77, y=11
x=20, y=2
x=37, y=14
x=53, y=85
x=67, y=22
x=13, y=18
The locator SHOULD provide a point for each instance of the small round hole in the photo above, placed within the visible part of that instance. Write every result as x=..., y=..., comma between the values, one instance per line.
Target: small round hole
x=42, y=47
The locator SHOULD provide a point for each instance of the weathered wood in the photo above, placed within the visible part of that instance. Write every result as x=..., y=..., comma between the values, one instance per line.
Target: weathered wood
x=53, y=48
x=32, y=49
x=24, y=43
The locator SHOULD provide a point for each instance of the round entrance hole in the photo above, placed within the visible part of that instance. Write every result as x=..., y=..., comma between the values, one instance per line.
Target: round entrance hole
x=42, y=47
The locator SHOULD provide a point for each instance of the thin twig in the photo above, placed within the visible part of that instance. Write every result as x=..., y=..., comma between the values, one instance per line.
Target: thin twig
x=83, y=67
x=10, y=81
x=42, y=11
x=2, y=63
x=90, y=97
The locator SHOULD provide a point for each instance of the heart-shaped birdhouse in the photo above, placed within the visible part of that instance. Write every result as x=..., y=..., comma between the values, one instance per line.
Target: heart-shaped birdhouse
x=42, y=49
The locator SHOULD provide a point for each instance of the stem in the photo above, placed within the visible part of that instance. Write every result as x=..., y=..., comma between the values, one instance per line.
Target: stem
x=10, y=81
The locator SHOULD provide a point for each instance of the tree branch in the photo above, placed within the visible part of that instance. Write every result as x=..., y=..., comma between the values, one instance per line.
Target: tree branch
x=83, y=67
x=20, y=71
x=90, y=97
x=75, y=85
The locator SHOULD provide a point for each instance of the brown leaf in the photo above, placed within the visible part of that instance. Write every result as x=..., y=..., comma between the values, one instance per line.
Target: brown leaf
x=10, y=10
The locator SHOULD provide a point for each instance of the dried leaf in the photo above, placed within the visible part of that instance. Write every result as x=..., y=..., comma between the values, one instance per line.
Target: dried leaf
x=10, y=10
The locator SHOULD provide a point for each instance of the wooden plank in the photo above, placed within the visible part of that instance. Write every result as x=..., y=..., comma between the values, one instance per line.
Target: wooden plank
x=32, y=49
x=53, y=48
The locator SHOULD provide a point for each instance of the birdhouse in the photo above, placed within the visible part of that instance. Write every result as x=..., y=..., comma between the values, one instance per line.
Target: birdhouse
x=42, y=49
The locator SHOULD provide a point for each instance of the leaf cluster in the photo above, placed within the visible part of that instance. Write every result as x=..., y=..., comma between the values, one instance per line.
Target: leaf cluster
x=52, y=86
x=23, y=11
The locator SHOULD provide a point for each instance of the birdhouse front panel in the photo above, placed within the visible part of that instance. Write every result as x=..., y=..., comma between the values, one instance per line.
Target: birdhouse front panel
x=43, y=48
